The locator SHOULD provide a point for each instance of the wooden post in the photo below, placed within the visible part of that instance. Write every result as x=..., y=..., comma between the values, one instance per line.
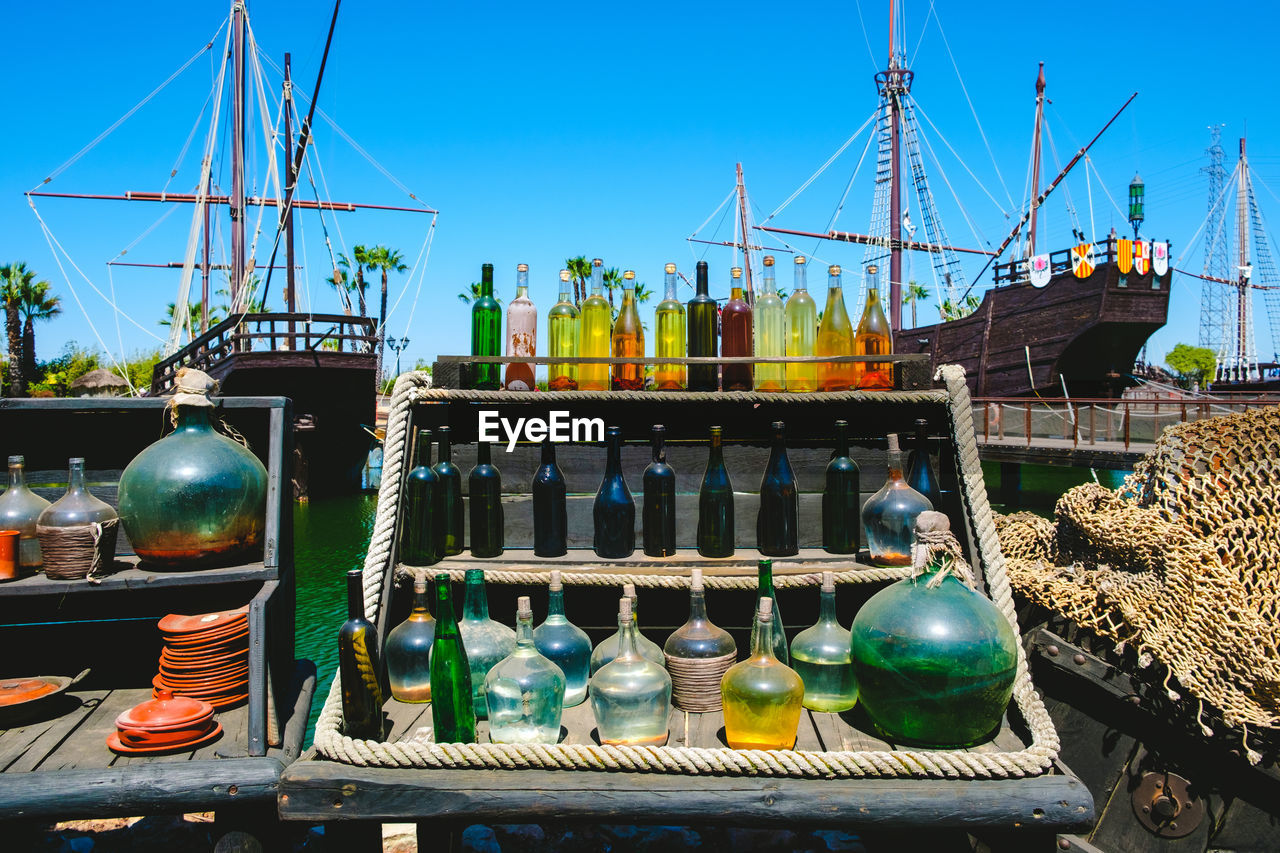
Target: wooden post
x=986, y=421
x=1027, y=410
x=1093, y=433
x=1126, y=426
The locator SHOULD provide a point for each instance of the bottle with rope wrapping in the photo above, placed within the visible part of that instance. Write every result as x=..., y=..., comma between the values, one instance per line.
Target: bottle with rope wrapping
x=697, y=640
x=486, y=334
x=762, y=696
x=419, y=545
x=550, y=506
x=889, y=515
x=453, y=711
x=715, y=503
x=449, y=520
x=659, y=518
x=595, y=331
x=835, y=338
x=359, y=667
x=562, y=331
x=669, y=318
x=769, y=324
x=522, y=334
x=801, y=331
x=484, y=486
x=777, y=524
x=874, y=337
x=736, y=336
x=628, y=339
x=704, y=322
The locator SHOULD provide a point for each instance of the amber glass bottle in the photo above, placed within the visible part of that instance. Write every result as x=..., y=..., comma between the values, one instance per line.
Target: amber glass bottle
x=628, y=339
x=762, y=696
x=835, y=337
x=874, y=337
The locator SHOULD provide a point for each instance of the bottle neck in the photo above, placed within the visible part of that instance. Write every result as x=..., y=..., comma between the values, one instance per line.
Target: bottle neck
x=422, y=600
x=802, y=278
x=17, y=475
x=922, y=436
x=483, y=454
x=613, y=461
x=522, y=291
x=445, y=617
x=669, y=292
x=717, y=448
x=475, y=607
x=355, y=596
x=486, y=280
x=75, y=476
x=193, y=417
x=628, y=296
x=697, y=605
x=597, y=281
x=627, y=636
x=894, y=463
x=423, y=451
x=842, y=441
x=770, y=286
x=834, y=288
x=873, y=298
x=827, y=606
x=555, y=602
x=548, y=453
x=735, y=292
x=765, y=584
x=564, y=296
x=763, y=647
x=524, y=631
x=446, y=452
x=659, y=447
x=701, y=283
x=779, y=444
x=522, y=283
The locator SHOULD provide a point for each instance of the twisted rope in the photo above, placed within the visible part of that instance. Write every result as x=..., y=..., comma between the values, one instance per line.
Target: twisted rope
x=868, y=574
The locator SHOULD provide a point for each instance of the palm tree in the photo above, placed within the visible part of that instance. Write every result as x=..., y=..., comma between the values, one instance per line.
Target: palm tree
x=37, y=303
x=193, y=315
x=13, y=278
x=349, y=277
x=468, y=298
x=388, y=261
x=612, y=279
x=915, y=293
x=580, y=269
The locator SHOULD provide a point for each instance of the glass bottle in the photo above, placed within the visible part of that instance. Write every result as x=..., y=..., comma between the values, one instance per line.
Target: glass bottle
x=659, y=521
x=614, y=511
x=935, y=660
x=764, y=589
x=842, y=499
x=820, y=656
x=408, y=649
x=874, y=337
x=564, y=644
x=595, y=330
x=19, y=509
x=715, y=503
x=77, y=507
x=562, y=329
x=449, y=518
x=358, y=667
x=607, y=649
x=631, y=695
x=889, y=515
x=920, y=474
x=770, y=333
x=486, y=333
x=835, y=337
x=550, y=510
x=698, y=639
x=704, y=320
x=735, y=336
x=419, y=545
x=524, y=692
x=628, y=339
x=670, y=342
x=453, y=712
x=802, y=331
x=762, y=696
x=522, y=334
x=777, y=528
x=485, y=640
x=484, y=486
x=196, y=498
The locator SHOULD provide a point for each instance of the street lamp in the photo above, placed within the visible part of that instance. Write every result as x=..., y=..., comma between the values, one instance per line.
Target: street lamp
x=1137, y=191
x=398, y=345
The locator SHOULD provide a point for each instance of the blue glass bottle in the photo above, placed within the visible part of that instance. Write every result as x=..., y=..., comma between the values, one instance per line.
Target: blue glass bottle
x=615, y=510
x=564, y=644
x=777, y=527
x=659, y=500
x=920, y=475
x=550, y=511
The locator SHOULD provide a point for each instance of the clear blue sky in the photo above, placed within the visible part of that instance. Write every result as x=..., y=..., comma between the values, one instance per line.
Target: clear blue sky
x=542, y=131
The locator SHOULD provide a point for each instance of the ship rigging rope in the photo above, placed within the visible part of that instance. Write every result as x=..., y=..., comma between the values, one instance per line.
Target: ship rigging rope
x=719, y=207
x=1089, y=164
x=964, y=211
x=835, y=214
x=340, y=287
x=186, y=146
x=719, y=225
x=915, y=105
x=871, y=54
x=1066, y=188
x=1213, y=211
x=870, y=120
x=420, y=264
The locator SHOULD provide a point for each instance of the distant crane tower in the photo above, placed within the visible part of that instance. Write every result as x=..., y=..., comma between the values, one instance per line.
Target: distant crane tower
x=1217, y=308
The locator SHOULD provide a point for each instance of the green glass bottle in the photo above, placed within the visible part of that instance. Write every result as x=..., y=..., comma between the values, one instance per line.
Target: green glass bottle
x=777, y=526
x=769, y=324
x=704, y=322
x=631, y=695
x=525, y=691
x=715, y=503
x=550, y=506
x=562, y=330
x=449, y=519
x=408, y=650
x=671, y=336
x=418, y=542
x=659, y=519
x=614, y=510
x=453, y=713
x=802, y=331
x=359, y=667
x=841, y=499
x=564, y=644
x=820, y=656
x=762, y=696
x=484, y=486
x=764, y=589
x=835, y=338
x=595, y=333
x=486, y=333
x=628, y=339
x=486, y=641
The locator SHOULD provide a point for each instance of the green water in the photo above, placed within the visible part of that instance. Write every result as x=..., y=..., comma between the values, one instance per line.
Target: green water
x=1042, y=485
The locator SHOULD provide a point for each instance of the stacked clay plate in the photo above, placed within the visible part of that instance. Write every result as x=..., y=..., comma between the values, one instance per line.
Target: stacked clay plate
x=206, y=657
x=167, y=723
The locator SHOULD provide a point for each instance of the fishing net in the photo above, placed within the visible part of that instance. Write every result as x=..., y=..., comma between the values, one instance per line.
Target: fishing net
x=1182, y=564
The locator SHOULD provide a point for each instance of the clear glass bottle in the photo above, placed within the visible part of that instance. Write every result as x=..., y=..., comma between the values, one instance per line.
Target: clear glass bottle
x=562, y=330
x=614, y=511
x=835, y=338
x=698, y=639
x=802, y=331
x=704, y=324
x=874, y=337
x=77, y=507
x=820, y=656
x=842, y=499
x=764, y=589
x=419, y=545
x=715, y=503
x=607, y=649
x=359, y=669
x=524, y=691
x=920, y=474
x=736, y=336
x=762, y=696
x=19, y=509
x=631, y=695
x=484, y=497
x=628, y=339
x=670, y=340
x=550, y=506
x=453, y=712
x=659, y=519
x=889, y=516
x=935, y=660
x=486, y=333
x=449, y=520
x=486, y=640
x=564, y=644
x=408, y=649
x=522, y=334
x=769, y=324
x=777, y=527
x=595, y=331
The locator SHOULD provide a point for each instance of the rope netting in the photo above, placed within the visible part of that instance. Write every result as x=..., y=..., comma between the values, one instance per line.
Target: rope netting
x=1182, y=563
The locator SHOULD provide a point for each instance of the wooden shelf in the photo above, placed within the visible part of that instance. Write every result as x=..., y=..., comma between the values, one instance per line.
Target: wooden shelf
x=136, y=578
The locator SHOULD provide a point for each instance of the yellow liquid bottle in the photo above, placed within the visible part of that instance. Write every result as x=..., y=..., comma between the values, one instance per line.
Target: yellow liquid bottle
x=801, y=331
x=562, y=330
x=835, y=337
x=669, y=320
x=874, y=337
x=770, y=333
x=628, y=339
x=594, y=333
x=762, y=697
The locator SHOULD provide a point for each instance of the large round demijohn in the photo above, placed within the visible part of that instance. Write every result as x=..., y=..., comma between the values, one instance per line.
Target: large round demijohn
x=196, y=498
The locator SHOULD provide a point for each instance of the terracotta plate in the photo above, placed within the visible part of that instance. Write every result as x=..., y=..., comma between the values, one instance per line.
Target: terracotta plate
x=163, y=711
x=114, y=744
x=15, y=691
x=176, y=623
x=222, y=635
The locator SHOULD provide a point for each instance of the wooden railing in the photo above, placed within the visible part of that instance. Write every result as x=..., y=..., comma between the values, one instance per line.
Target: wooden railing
x=268, y=333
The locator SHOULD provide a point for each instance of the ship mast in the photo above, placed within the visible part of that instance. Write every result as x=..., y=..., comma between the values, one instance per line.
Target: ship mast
x=893, y=83
x=1035, y=164
x=743, y=230
x=237, y=154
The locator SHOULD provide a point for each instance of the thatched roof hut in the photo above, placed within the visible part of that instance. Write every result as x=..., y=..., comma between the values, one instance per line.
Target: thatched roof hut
x=99, y=383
